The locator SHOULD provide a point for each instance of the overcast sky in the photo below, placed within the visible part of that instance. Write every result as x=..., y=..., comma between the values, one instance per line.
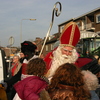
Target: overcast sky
x=13, y=11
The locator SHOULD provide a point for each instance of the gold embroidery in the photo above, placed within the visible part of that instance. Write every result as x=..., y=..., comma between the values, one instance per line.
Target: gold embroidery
x=66, y=27
x=67, y=45
x=51, y=57
x=72, y=34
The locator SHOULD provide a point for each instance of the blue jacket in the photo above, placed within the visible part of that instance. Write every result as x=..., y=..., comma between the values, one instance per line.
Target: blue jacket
x=94, y=96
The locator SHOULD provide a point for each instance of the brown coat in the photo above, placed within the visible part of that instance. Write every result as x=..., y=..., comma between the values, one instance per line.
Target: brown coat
x=63, y=93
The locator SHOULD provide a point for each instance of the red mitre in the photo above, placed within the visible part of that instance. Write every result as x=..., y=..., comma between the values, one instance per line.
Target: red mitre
x=70, y=35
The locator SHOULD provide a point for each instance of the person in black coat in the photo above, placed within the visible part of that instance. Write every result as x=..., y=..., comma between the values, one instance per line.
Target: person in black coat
x=28, y=48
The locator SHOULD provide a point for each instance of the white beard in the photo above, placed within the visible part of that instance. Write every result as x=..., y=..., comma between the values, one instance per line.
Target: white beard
x=60, y=59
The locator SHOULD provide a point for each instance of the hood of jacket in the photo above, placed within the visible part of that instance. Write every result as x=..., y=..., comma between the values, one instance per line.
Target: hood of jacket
x=30, y=87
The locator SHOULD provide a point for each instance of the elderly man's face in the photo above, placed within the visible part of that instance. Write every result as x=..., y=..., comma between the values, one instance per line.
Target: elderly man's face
x=67, y=50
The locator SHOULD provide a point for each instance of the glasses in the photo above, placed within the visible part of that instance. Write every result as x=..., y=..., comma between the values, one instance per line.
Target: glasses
x=66, y=50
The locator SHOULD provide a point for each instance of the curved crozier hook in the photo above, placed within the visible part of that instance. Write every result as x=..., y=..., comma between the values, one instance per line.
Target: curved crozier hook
x=57, y=13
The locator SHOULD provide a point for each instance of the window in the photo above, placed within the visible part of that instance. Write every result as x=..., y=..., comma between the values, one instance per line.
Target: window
x=51, y=47
x=61, y=28
x=98, y=18
x=46, y=47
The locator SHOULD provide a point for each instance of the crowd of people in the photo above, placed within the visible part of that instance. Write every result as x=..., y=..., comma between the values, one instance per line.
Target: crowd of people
x=61, y=75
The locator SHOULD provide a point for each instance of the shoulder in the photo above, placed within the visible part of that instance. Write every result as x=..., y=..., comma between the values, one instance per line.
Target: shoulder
x=33, y=80
x=62, y=93
x=29, y=82
x=48, y=58
x=49, y=55
x=82, y=61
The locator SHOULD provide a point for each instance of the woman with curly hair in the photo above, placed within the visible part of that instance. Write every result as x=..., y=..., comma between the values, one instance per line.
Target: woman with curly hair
x=68, y=84
x=33, y=83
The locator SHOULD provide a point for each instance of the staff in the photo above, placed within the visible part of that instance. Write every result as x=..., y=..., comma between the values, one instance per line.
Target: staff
x=57, y=13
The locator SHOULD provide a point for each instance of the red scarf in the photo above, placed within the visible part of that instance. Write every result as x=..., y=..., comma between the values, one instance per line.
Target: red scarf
x=14, y=68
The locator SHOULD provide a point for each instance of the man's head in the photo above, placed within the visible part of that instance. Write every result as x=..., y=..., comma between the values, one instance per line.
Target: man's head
x=68, y=40
x=22, y=55
x=60, y=57
x=70, y=35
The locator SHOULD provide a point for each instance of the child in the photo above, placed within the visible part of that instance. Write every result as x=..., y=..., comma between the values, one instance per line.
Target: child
x=33, y=83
